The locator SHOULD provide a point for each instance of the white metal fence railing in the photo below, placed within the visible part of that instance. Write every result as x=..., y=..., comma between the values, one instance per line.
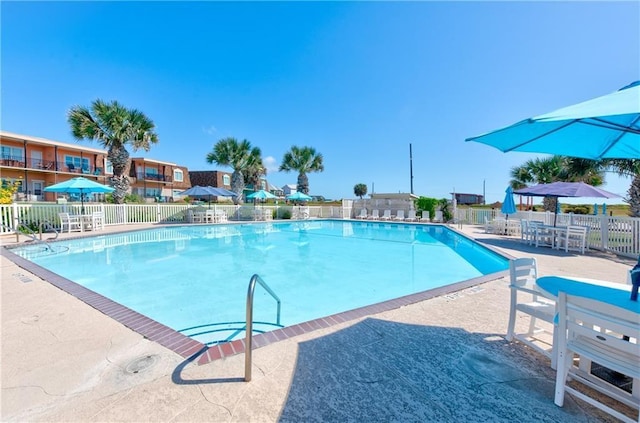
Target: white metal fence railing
x=32, y=214
x=617, y=234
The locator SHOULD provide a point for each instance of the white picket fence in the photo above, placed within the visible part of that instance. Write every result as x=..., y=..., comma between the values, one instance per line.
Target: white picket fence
x=618, y=234
x=33, y=214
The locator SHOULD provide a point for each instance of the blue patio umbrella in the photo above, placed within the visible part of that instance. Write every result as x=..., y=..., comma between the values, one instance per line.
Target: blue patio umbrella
x=299, y=196
x=208, y=191
x=508, y=205
x=565, y=189
x=79, y=185
x=260, y=195
x=606, y=127
x=223, y=192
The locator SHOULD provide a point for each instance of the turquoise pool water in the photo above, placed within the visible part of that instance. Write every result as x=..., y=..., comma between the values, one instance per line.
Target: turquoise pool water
x=194, y=278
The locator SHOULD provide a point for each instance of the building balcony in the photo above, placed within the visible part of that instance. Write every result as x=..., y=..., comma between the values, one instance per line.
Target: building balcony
x=153, y=177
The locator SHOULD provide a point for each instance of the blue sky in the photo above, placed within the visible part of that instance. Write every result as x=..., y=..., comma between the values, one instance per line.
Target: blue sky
x=358, y=81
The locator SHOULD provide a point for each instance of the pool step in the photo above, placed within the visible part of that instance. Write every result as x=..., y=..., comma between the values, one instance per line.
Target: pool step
x=217, y=333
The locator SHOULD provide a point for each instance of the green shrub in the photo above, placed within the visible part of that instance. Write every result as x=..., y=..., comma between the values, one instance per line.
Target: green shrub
x=285, y=214
x=427, y=204
x=577, y=209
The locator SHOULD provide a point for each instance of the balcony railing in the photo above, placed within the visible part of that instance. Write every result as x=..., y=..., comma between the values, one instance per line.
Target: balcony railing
x=49, y=165
x=153, y=177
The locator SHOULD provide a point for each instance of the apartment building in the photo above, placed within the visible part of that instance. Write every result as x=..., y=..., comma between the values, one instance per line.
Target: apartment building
x=157, y=180
x=36, y=163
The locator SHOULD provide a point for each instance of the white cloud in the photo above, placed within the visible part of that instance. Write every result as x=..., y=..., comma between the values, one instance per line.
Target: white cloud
x=211, y=130
x=270, y=164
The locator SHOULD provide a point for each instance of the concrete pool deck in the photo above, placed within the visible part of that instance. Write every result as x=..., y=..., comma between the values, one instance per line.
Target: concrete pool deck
x=443, y=359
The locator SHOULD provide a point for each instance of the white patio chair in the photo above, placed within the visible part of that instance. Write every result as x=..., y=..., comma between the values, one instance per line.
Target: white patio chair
x=543, y=236
x=375, y=215
x=537, y=305
x=598, y=332
x=489, y=227
x=209, y=216
x=525, y=234
x=574, y=239
x=198, y=216
x=71, y=223
x=97, y=221
x=399, y=215
x=220, y=216
x=411, y=216
x=386, y=215
x=362, y=215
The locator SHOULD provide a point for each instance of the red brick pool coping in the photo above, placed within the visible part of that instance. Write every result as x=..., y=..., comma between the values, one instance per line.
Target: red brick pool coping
x=203, y=354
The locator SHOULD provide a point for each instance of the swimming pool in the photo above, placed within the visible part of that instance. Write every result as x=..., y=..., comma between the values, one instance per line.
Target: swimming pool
x=194, y=278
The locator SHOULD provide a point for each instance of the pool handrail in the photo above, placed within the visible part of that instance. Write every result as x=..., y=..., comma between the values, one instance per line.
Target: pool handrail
x=249, y=325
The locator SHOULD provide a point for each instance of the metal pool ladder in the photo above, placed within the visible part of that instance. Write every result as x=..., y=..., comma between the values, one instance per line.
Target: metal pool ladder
x=249, y=326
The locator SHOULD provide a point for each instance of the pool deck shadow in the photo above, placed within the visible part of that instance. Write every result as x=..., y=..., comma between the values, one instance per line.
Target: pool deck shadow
x=440, y=359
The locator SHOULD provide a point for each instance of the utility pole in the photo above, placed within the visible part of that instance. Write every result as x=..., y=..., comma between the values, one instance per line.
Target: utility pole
x=411, y=167
x=484, y=191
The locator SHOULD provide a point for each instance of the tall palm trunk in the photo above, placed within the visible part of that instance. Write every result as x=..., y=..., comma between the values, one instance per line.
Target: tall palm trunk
x=549, y=204
x=237, y=186
x=119, y=157
x=303, y=183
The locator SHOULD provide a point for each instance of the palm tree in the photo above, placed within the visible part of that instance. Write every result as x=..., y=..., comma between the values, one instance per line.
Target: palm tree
x=304, y=160
x=254, y=171
x=114, y=126
x=629, y=168
x=240, y=156
x=360, y=190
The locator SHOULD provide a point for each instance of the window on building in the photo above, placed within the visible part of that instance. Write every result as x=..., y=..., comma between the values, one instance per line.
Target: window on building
x=152, y=192
x=77, y=162
x=7, y=182
x=108, y=167
x=178, y=175
x=226, y=180
x=12, y=153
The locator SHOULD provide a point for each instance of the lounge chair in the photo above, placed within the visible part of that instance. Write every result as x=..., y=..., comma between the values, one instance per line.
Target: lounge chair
x=438, y=217
x=362, y=215
x=375, y=215
x=425, y=216
x=386, y=215
x=399, y=216
x=411, y=217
